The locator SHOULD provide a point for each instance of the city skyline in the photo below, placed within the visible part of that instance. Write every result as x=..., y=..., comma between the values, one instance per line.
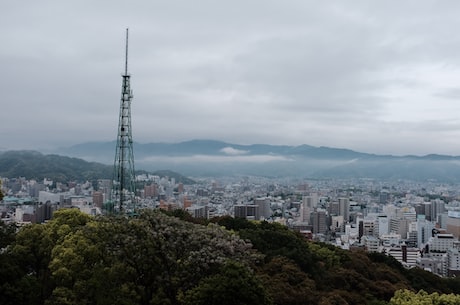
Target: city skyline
x=372, y=77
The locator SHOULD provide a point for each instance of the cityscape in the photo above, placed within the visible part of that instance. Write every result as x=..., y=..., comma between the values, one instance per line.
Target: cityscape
x=209, y=214
x=416, y=223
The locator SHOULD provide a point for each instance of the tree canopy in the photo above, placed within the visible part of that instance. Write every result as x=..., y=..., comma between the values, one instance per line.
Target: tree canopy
x=154, y=258
x=150, y=259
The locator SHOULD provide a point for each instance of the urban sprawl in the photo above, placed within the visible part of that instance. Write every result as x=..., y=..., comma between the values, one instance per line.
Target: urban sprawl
x=416, y=223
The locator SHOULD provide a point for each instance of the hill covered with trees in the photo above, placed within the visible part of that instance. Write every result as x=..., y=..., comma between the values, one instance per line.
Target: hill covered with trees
x=35, y=165
x=159, y=258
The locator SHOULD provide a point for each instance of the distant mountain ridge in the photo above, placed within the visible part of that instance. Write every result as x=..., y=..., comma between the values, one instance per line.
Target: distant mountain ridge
x=89, y=161
x=218, y=158
x=214, y=147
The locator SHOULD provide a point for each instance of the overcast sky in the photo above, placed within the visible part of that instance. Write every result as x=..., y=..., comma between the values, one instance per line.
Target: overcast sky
x=372, y=76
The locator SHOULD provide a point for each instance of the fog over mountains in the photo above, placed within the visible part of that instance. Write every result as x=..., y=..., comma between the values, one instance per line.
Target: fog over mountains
x=216, y=158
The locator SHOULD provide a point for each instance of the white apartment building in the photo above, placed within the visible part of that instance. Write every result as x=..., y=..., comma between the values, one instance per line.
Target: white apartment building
x=441, y=243
x=383, y=225
x=424, y=231
x=371, y=243
x=406, y=256
x=453, y=262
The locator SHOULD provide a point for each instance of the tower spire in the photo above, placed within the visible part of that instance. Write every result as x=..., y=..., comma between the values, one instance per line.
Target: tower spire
x=126, y=53
x=123, y=182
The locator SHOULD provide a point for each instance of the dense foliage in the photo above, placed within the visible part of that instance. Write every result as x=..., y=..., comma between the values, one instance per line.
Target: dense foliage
x=407, y=297
x=155, y=258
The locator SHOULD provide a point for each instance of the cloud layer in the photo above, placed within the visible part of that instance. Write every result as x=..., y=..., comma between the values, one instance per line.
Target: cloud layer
x=378, y=77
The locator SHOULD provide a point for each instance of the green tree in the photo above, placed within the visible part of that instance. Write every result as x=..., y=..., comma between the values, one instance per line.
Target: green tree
x=407, y=297
x=273, y=239
x=31, y=253
x=234, y=284
x=7, y=234
x=286, y=283
x=147, y=259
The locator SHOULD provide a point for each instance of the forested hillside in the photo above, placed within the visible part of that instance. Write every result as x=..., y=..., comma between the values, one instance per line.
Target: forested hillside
x=34, y=165
x=155, y=258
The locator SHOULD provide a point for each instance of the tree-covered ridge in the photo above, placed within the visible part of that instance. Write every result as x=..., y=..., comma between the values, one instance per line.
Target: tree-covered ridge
x=155, y=258
x=34, y=165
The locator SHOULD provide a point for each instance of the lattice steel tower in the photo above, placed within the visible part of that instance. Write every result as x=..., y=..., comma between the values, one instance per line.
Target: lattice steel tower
x=123, y=182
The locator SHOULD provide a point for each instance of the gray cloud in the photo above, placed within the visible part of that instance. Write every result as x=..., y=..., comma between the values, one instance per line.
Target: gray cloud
x=377, y=77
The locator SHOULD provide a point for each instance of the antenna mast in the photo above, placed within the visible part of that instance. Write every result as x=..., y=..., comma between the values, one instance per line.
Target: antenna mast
x=126, y=53
x=123, y=182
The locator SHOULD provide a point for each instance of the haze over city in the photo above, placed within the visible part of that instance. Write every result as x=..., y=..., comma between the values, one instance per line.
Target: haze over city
x=377, y=77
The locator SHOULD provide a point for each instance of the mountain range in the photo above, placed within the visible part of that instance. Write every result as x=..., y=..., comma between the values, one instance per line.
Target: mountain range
x=217, y=158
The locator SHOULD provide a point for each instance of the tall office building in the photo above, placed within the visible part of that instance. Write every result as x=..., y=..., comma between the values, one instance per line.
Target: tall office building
x=98, y=199
x=333, y=208
x=384, y=197
x=438, y=207
x=424, y=231
x=344, y=209
x=309, y=203
x=264, y=205
x=318, y=221
x=248, y=211
x=368, y=227
x=453, y=262
x=453, y=223
x=399, y=226
x=383, y=225
x=151, y=191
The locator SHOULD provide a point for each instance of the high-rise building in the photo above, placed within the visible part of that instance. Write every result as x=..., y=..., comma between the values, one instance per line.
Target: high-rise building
x=383, y=225
x=45, y=212
x=198, y=211
x=424, y=229
x=333, y=208
x=399, y=226
x=318, y=221
x=453, y=223
x=309, y=203
x=438, y=207
x=187, y=202
x=98, y=199
x=384, y=197
x=368, y=227
x=453, y=262
x=151, y=191
x=344, y=209
x=264, y=206
x=248, y=211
